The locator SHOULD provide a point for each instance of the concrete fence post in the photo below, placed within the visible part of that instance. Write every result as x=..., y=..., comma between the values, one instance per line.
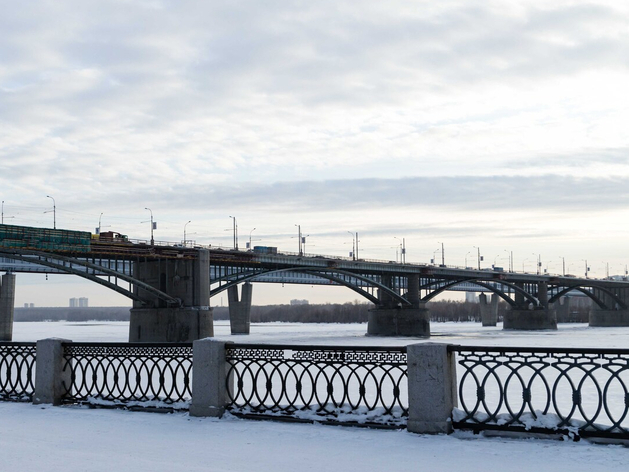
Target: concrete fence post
x=209, y=382
x=432, y=388
x=49, y=374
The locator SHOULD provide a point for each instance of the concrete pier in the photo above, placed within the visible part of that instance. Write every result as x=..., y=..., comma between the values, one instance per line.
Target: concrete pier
x=403, y=321
x=188, y=280
x=488, y=310
x=240, y=310
x=609, y=318
x=535, y=319
x=7, y=302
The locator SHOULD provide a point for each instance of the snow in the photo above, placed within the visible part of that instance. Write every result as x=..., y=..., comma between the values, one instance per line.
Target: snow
x=77, y=438
x=71, y=438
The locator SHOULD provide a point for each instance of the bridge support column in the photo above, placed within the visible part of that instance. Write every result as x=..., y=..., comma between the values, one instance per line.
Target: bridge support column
x=188, y=280
x=240, y=310
x=608, y=318
x=7, y=303
x=399, y=321
x=488, y=310
x=562, y=308
x=529, y=320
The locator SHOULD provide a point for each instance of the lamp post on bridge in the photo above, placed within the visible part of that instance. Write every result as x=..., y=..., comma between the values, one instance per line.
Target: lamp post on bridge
x=468, y=253
x=99, y=222
x=402, y=249
x=184, y=232
x=353, y=246
x=480, y=258
x=563, y=265
x=54, y=212
x=235, y=233
x=443, y=254
x=587, y=269
x=250, y=248
x=510, y=254
x=539, y=262
x=153, y=225
x=299, y=239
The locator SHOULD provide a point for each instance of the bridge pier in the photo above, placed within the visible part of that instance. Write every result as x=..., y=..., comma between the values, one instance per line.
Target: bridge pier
x=530, y=320
x=400, y=321
x=188, y=280
x=488, y=310
x=7, y=303
x=608, y=318
x=240, y=310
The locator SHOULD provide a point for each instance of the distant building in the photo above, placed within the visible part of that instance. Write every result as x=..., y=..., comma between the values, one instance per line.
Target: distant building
x=31, y=305
x=79, y=302
x=299, y=302
x=26, y=305
x=471, y=297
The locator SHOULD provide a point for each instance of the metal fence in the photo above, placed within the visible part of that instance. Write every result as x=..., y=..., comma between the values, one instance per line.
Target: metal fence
x=139, y=375
x=355, y=385
x=577, y=392
x=17, y=371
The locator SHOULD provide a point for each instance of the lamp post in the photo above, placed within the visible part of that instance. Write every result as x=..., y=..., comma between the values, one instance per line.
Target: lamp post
x=152, y=225
x=235, y=233
x=510, y=254
x=480, y=258
x=443, y=255
x=539, y=262
x=303, y=242
x=184, y=233
x=54, y=212
x=587, y=269
x=353, y=246
x=299, y=238
x=523, y=269
x=251, y=248
x=99, y=221
x=401, y=249
x=468, y=253
x=563, y=266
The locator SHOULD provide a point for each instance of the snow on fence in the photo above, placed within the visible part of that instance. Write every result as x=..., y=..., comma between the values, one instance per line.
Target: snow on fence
x=17, y=371
x=129, y=374
x=362, y=385
x=580, y=392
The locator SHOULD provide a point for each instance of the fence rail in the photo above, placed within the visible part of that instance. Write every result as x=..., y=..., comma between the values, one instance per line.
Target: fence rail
x=358, y=385
x=156, y=375
x=17, y=371
x=580, y=392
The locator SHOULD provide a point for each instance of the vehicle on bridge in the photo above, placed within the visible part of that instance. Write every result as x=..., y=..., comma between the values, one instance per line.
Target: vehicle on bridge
x=31, y=238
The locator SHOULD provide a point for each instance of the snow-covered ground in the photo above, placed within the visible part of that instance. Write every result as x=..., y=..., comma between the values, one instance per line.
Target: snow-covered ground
x=73, y=438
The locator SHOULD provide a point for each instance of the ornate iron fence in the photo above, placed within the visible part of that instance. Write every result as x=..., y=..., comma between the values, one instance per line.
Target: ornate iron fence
x=577, y=392
x=138, y=375
x=355, y=385
x=17, y=371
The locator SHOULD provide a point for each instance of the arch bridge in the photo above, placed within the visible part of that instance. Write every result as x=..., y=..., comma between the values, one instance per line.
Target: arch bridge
x=171, y=286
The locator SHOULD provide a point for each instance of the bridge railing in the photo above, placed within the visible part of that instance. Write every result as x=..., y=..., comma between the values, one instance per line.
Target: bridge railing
x=363, y=385
x=582, y=392
x=156, y=375
x=17, y=371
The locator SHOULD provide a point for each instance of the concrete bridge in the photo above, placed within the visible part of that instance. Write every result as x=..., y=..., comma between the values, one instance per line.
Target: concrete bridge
x=171, y=286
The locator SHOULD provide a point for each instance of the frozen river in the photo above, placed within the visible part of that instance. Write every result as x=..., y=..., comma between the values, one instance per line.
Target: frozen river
x=568, y=335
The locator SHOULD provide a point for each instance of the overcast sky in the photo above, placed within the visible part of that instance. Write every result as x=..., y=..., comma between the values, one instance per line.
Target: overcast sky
x=495, y=124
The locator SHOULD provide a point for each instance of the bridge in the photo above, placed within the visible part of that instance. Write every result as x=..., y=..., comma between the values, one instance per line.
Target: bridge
x=171, y=284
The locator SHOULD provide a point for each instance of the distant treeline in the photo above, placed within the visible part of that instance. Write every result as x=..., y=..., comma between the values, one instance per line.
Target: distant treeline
x=328, y=313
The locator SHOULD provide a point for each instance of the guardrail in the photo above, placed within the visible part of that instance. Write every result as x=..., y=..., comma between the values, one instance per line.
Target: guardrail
x=362, y=385
x=578, y=392
x=17, y=371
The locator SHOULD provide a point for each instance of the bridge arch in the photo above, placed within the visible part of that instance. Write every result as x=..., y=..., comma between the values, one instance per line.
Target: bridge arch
x=482, y=284
x=335, y=275
x=66, y=265
x=595, y=299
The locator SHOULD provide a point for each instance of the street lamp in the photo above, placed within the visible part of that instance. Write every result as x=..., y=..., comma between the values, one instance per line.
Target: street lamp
x=523, y=270
x=3, y=213
x=235, y=233
x=353, y=246
x=480, y=258
x=99, y=220
x=152, y=226
x=510, y=254
x=250, y=248
x=563, y=265
x=539, y=262
x=54, y=212
x=443, y=255
x=184, y=233
x=299, y=238
x=587, y=269
x=469, y=252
